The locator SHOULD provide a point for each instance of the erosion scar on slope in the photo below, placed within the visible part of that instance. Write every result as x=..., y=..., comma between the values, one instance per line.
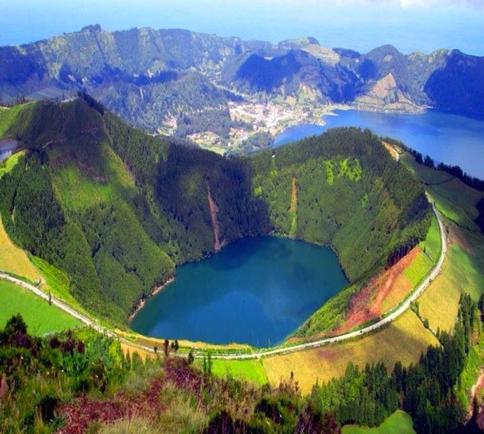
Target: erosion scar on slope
x=366, y=305
x=293, y=207
x=213, y=208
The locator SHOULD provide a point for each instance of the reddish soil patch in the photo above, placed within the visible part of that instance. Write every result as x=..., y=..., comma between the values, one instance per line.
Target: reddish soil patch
x=476, y=388
x=366, y=304
x=328, y=354
x=80, y=413
x=456, y=236
x=83, y=411
x=480, y=419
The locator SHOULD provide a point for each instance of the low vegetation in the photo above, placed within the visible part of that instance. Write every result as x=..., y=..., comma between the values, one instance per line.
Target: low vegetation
x=398, y=423
x=81, y=381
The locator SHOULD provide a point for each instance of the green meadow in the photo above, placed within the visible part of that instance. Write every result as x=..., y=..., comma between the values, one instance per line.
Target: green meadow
x=246, y=370
x=40, y=317
x=398, y=423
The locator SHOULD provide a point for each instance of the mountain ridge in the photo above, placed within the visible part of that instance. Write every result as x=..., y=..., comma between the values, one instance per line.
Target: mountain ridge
x=152, y=77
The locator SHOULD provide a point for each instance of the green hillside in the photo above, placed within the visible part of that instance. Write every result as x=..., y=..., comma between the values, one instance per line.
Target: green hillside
x=351, y=195
x=117, y=209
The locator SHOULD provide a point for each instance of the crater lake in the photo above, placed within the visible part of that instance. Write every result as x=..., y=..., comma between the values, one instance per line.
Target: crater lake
x=255, y=291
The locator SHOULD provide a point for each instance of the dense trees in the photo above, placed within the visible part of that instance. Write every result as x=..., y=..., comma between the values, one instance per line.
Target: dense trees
x=351, y=195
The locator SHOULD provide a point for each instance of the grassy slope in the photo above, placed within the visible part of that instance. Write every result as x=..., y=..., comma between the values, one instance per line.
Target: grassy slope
x=464, y=266
x=91, y=231
x=39, y=316
x=9, y=116
x=398, y=423
x=424, y=262
x=13, y=259
x=55, y=281
x=7, y=165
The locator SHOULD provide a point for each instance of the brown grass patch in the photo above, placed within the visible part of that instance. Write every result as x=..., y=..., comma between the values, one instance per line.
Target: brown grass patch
x=14, y=260
x=405, y=340
x=457, y=236
x=152, y=342
x=131, y=349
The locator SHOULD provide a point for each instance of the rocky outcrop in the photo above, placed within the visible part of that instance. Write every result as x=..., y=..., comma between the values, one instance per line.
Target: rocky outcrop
x=386, y=96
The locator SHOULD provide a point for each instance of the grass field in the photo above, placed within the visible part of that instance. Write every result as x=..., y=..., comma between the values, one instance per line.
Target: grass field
x=249, y=370
x=398, y=423
x=454, y=199
x=463, y=269
x=440, y=302
x=404, y=340
x=41, y=318
x=428, y=257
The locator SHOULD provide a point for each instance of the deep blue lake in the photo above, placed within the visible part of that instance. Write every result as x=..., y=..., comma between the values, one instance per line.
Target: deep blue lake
x=255, y=291
x=446, y=138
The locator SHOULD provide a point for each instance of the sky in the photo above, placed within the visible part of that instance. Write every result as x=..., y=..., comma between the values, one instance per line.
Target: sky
x=410, y=25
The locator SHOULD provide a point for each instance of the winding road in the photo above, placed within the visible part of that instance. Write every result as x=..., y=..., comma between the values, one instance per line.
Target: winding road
x=393, y=315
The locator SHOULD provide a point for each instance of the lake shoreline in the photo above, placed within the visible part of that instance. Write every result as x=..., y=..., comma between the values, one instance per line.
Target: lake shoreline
x=244, y=293
x=447, y=138
x=155, y=290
